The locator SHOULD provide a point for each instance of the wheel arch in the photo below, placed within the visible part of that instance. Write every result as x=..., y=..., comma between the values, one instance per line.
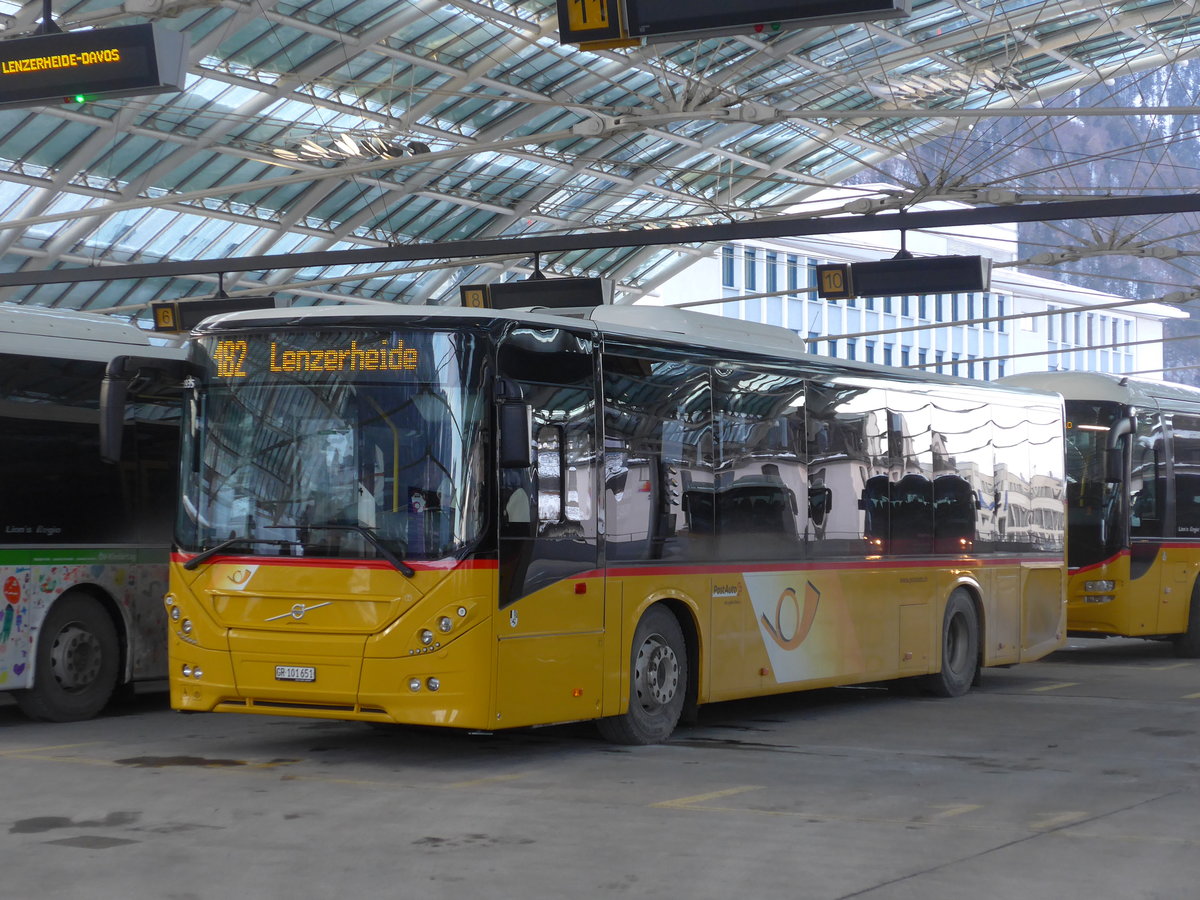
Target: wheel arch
x=108, y=603
x=685, y=615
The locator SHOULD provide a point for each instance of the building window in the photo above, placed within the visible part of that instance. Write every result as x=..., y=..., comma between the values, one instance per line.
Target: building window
x=832, y=348
x=906, y=305
x=772, y=271
x=793, y=273
x=887, y=354
x=727, y=267
x=750, y=270
x=1003, y=325
x=922, y=357
x=851, y=349
x=922, y=307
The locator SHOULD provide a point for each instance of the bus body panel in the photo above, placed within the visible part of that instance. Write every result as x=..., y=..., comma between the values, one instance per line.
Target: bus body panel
x=132, y=581
x=1154, y=604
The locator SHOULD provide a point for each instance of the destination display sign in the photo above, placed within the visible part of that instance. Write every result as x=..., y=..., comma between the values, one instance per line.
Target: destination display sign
x=232, y=358
x=336, y=354
x=81, y=66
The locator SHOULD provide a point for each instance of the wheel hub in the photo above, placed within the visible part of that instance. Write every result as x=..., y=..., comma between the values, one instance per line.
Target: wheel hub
x=657, y=673
x=75, y=658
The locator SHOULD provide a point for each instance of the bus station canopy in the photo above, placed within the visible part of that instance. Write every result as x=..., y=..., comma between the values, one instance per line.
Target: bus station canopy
x=315, y=125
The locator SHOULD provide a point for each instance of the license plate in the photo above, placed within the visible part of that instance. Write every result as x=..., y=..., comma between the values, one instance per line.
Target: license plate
x=295, y=673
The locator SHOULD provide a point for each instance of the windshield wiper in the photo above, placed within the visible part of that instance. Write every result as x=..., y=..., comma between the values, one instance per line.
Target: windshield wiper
x=376, y=541
x=204, y=555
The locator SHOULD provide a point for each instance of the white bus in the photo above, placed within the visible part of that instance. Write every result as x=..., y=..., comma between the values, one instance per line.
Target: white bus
x=83, y=544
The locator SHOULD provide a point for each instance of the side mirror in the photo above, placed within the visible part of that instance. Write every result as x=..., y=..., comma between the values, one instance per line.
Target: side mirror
x=515, y=426
x=114, y=389
x=1114, y=453
x=114, y=394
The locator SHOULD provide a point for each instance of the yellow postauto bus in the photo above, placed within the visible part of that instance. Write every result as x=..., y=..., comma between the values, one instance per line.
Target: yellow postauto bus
x=1133, y=498
x=487, y=519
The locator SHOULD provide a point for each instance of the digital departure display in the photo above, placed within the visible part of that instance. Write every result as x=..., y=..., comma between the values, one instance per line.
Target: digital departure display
x=80, y=66
x=233, y=359
x=655, y=18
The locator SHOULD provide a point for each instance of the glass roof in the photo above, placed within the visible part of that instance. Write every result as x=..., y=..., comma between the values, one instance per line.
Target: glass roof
x=344, y=124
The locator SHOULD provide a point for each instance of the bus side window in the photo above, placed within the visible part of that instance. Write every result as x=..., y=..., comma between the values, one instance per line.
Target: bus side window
x=1185, y=431
x=1148, y=479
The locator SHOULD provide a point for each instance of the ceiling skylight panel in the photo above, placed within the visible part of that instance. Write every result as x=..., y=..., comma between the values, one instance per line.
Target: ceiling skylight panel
x=24, y=136
x=534, y=69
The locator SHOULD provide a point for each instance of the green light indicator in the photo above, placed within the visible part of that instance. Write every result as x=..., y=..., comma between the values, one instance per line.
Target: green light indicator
x=80, y=98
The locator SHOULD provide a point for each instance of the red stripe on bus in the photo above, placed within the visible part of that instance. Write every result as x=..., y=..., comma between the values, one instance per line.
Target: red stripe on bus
x=733, y=568
x=438, y=565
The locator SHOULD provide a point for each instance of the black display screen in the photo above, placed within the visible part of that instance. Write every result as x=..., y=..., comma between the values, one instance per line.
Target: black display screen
x=106, y=62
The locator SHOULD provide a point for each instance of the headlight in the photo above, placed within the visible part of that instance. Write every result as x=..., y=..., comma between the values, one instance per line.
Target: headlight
x=1093, y=587
x=425, y=636
x=444, y=624
x=414, y=684
x=433, y=684
x=186, y=627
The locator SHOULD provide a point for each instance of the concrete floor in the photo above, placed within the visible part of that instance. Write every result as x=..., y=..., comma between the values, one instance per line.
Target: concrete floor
x=1074, y=777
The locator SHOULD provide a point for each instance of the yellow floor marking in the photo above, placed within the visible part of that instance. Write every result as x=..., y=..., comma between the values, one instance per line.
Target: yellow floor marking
x=1054, y=821
x=490, y=779
x=1053, y=687
x=1178, y=665
x=948, y=812
x=16, y=751
x=1191, y=696
x=684, y=802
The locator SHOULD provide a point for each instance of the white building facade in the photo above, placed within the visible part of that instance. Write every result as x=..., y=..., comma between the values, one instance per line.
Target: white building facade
x=1024, y=323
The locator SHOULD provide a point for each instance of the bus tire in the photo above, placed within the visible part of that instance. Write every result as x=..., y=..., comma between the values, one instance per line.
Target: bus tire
x=1187, y=645
x=78, y=662
x=658, y=680
x=960, y=648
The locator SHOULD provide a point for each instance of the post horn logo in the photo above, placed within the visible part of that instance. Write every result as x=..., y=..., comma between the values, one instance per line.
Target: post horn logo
x=240, y=577
x=804, y=619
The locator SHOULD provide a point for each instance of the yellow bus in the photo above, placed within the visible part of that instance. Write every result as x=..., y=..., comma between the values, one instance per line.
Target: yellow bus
x=1133, y=499
x=488, y=519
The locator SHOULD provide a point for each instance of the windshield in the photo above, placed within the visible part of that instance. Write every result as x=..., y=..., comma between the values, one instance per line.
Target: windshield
x=1094, y=530
x=339, y=442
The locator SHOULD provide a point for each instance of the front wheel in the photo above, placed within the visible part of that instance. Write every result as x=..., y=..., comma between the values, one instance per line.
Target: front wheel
x=960, y=648
x=78, y=661
x=657, y=683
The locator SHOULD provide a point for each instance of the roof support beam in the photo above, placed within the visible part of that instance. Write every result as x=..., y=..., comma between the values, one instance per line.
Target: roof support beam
x=733, y=231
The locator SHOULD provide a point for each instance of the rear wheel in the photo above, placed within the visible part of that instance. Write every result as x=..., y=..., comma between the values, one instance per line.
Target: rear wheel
x=657, y=682
x=1187, y=645
x=960, y=648
x=77, y=665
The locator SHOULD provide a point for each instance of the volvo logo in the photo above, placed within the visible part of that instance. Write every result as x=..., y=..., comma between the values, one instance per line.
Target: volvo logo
x=297, y=611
